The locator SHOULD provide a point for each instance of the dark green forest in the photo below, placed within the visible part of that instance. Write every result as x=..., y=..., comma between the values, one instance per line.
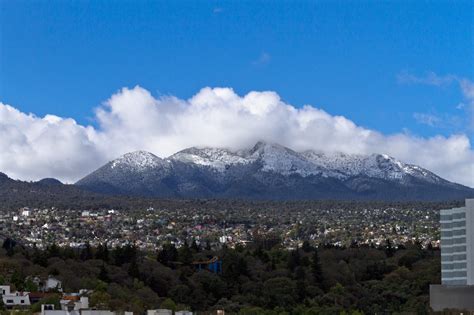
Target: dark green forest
x=262, y=278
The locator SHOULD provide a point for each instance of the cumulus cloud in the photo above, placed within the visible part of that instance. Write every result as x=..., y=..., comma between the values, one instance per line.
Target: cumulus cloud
x=132, y=119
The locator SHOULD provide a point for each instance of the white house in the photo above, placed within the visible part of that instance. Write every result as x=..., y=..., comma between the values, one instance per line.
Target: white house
x=47, y=309
x=74, y=302
x=160, y=311
x=53, y=284
x=26, y=212
x=11, y=299
x=4, y=290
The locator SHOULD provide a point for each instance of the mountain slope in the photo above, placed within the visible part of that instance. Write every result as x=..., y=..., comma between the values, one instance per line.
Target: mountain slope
x=270, y=171
x=47, y=192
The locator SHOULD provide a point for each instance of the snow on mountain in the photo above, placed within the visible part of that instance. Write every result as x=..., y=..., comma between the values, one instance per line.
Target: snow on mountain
x=215, y=158
x=374, y=165
x=269, y=171
x=279, y=159
x=284, y=161
x=138, y=161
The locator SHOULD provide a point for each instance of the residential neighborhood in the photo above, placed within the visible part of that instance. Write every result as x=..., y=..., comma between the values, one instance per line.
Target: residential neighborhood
x=149, y=228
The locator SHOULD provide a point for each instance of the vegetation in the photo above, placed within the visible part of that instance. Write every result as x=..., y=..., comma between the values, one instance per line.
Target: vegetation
x=15, y=194
x=254, y=280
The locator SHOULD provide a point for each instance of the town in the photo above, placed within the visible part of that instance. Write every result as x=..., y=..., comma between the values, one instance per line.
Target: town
x=211, y=257
x=215, y=226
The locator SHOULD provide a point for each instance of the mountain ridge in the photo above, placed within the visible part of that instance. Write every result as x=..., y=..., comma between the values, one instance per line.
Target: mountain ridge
x=269, y=171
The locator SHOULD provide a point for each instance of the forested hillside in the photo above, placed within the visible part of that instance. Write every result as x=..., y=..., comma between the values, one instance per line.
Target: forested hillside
x=254, y=280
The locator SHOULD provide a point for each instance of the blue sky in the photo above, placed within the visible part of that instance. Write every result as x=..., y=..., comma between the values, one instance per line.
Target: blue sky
x=400, y=72
x=66, y=58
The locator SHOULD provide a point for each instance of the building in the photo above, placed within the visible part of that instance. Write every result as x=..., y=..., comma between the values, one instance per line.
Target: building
x=14, y=299
x=160, y=311
x=48, y=309
x=457, y=260
x=457, y=251
x=53, y=284
x=213, y=265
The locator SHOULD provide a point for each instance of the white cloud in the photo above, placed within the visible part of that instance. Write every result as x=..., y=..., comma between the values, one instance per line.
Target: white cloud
x=263, y=59
x=430, y=78
x=467, y=90
x=132, y=119
x=427, y=119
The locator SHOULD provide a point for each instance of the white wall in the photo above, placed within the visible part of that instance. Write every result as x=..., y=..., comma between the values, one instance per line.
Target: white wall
x=11, y=300
x=470, y=240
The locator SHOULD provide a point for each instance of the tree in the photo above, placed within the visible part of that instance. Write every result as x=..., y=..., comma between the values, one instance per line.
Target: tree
x=39, y=257
x=195, y=247
x=293, y=260
x=316, y=269
x=208, y=245
x=102, y=252
x=103, y=274
x=185, y=255
x=86, y=252
x=167, y=254
x=125, y=254
x=133, y=270
x=279, y=291
x=389, y=250
x=100, y=299
x=53, y=250
x=9, y=244
x=168, y=304
x=306, y=247
x=30, y=286
x=234, y=265
x=300, y=276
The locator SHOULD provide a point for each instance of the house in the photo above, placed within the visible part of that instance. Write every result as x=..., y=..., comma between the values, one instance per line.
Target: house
x=12, y=299
x=48, y=309
x=26, y=212
x=53, y=284
x=4, y=290
x=160, y=311
x=74, y=302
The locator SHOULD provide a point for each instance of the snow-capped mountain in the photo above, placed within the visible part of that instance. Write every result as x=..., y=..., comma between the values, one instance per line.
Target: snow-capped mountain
x=139, y=161
x=270, y=171
x=379, y=166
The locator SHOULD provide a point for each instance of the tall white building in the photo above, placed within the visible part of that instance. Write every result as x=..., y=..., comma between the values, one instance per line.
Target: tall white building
x=456, y=291
x=457, y=245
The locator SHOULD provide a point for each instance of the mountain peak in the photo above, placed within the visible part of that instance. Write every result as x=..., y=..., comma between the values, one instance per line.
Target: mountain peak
x=217, y=158
x=138, y=160
x=263, y=147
